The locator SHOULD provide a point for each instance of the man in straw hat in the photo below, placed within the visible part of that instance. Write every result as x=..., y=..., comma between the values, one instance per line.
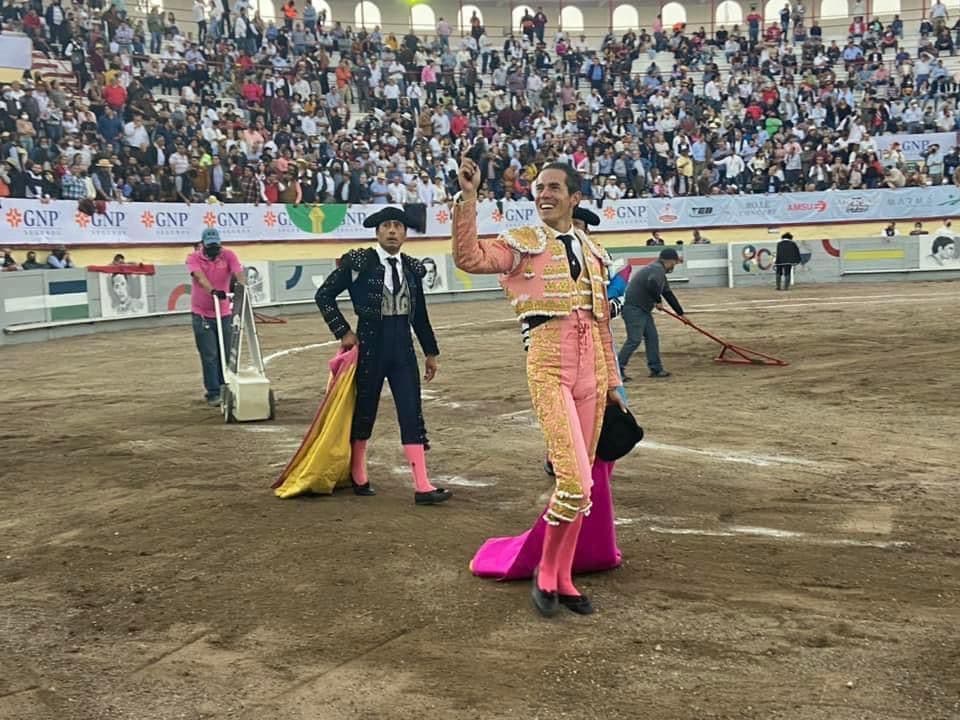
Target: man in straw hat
x=386, y=289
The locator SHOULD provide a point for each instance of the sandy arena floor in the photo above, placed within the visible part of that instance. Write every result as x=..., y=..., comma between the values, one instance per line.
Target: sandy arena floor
x=790, y=535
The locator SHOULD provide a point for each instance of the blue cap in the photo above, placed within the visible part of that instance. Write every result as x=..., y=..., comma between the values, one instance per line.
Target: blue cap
x=211, y=236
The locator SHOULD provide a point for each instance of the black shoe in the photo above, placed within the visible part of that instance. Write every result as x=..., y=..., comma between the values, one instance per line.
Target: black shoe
x=364, y=490
x=434, y=497
x=548, y=468
x=545, y=602
x=623, y=376
x=580, y=604
x=659, y=374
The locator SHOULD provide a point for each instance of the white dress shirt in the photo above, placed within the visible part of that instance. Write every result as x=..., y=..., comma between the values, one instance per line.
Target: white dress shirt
x=388, y=268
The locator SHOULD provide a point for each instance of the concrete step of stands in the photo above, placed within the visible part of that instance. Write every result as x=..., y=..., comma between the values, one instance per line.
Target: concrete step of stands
x=53, y=68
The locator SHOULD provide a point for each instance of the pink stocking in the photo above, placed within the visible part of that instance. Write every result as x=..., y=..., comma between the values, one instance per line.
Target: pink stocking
x=358, y=462
x=550, y=557
x=568, y=548
x=418, y=466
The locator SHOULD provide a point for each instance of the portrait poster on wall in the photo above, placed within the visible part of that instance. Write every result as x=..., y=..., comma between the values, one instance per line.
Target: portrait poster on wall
x=123, y=295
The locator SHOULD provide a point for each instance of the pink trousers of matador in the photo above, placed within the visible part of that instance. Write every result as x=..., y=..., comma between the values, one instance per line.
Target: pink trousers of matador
x=568, y=387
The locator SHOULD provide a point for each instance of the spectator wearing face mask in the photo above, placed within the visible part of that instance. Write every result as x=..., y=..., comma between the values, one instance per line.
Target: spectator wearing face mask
x=9, y=263
x=213, y=269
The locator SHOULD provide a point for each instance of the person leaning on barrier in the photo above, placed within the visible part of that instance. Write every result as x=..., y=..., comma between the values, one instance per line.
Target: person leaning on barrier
x=31, y=263
x=59, y=259
x=9, y=264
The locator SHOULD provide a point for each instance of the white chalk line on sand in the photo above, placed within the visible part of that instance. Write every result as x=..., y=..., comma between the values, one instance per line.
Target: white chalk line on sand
x=775, y=534
x=732, y=456
x=313, y=346
x=443, y=480
x=665, y=525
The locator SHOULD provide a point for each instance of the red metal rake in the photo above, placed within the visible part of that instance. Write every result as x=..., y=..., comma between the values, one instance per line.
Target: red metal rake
x=739, y=355
x=268, y=319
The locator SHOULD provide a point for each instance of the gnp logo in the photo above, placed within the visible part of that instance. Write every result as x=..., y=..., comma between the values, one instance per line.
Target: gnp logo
x=667, y=216
x=519, y=215
x=110, y=220
x=819, y=206
x=858, y=204
x=625, y=212
x=29, y=218
x=164, y=219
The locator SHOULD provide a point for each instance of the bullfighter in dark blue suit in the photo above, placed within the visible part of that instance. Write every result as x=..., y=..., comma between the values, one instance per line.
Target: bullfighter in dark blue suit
x=386, y=289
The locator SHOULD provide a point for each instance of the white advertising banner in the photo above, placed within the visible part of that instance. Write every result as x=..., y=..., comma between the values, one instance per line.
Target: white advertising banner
x=30, y=222
x=16, y=51
x=913, y=146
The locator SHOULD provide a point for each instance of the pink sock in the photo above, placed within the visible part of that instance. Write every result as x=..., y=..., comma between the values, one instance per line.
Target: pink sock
x=418, y=465
x=568, y=548
x=547, y=570
x=358, y=462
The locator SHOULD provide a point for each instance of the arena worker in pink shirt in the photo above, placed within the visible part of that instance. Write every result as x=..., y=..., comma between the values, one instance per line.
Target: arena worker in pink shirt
x=213, y=269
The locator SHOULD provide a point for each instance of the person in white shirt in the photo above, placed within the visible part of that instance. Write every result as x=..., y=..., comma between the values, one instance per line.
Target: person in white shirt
x=485, y=46
x=612, y=191
x=214, y=18
x=391, y=93
x=308, y=124
x=938, y=13
x=439, y=191
x=200, y=18
x=534, y=88
x=396, y=190
x=135, y=134
x=734, y=167
x=441, y=123
x=415, y=95
x=425, y=191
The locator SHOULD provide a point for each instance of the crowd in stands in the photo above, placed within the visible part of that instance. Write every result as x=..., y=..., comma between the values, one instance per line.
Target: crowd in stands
x=311, y=111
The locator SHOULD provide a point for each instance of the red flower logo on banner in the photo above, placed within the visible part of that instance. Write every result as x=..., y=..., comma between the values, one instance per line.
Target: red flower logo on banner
x=147, y=220
x=269, y=219
x=209, y=219
x=81, y=219
x=443, y=217
x=14, y=218
x=497, y=216
x=609, y=212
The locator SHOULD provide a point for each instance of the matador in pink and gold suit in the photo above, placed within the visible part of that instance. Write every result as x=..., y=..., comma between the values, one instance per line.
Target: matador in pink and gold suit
x=555, y=278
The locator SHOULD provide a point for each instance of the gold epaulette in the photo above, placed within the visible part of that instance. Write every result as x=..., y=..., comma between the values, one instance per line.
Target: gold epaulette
x=527, y=239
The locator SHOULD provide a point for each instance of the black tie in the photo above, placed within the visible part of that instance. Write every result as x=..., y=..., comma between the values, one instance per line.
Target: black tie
x=394, y=274
x=567, y=241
